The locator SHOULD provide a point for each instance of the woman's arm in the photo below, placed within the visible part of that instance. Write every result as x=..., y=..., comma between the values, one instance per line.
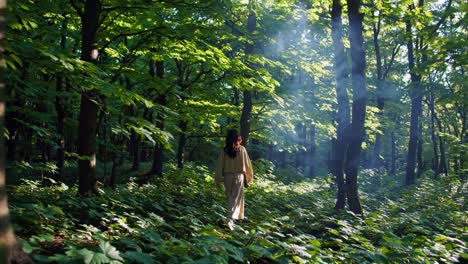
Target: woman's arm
x=248, y=166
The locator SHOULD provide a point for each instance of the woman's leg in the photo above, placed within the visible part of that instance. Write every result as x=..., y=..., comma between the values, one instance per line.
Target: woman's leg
x=234, y=188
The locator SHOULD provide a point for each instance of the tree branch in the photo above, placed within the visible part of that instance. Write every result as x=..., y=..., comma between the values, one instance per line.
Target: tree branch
x=443, y=18
x=127, y=35
x=77, y=8
x=395, y=51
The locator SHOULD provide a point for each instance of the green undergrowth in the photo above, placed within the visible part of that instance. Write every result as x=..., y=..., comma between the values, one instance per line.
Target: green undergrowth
x=180, y=219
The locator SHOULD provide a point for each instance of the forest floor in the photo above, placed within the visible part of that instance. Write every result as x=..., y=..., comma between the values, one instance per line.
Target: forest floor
x=180, y=219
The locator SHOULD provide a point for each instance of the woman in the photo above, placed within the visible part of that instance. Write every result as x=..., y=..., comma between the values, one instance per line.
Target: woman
x=233, y=168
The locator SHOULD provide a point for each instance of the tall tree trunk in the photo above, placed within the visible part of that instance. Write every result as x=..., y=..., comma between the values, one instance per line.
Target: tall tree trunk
x=117, y=157
x=456, y=165
x=60, y=127
x=158, y=155
x=182, y=142
x=394, y=152
x=270, y=153
x=157, y=68
x=435, y=162
x=282, y=159
x=11, y=123
x=88, y=108
x=358, y=67
x=135, y=141
x=12, y=127
x=59, y=108
x=27, y=152
x=303, y=152
x=246, y=116
x=312, y=151
x=416, y=108
x=301, y=143
x=69, y=135
x=41, y=143
x=341, y=72
x=419, y=152
x=116, y=162
x=7, y=237
x=43, y=146
x=443, y=168
x=311, y=145
x=113, y=176
x=103, y=132
x=375, y=159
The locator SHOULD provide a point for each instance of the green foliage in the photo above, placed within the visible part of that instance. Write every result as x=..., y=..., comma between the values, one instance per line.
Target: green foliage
x=201, y=45
x=179, y=218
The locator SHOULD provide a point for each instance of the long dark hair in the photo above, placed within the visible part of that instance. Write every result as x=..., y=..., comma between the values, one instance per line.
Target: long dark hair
x=232, y=146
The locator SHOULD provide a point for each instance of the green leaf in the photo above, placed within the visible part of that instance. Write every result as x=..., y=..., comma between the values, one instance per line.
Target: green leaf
x=139, y=257
x=28, y=248
x=91, y=257
x=110, y=251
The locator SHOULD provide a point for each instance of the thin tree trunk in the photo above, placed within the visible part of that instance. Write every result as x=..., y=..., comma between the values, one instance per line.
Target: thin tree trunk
x=41, y=142
x=341, y=72
x=443, y=162
x=11, y=122
x=301, y=143
x=270, y=152
x=60, y=127
x=303, y=152
x=157, y=68
x=416, y=108
x=420, y=150
x=12, y=127
x=103, y=131
x=158, y=154
x=443, y=168
x=359, y=104
x=394, y=153
x=116, y=157
x=88, y=108
x=27, y=152
x=115, y=165
x=246, y=115
x=59, y=108
x=375, y=158
x=182, y=142
x=435, y=162
x=282, y=159
x=69, y=135
x=312, y=151
x=135, y=141
x=419, y=153
x=456, y=165
x=311, y=145
x=412, y=145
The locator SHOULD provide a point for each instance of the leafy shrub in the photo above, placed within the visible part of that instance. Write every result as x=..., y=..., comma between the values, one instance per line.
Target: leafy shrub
x=179, y=218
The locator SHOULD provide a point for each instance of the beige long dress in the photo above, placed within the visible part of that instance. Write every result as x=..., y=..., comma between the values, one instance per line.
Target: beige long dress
x=231, y=171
